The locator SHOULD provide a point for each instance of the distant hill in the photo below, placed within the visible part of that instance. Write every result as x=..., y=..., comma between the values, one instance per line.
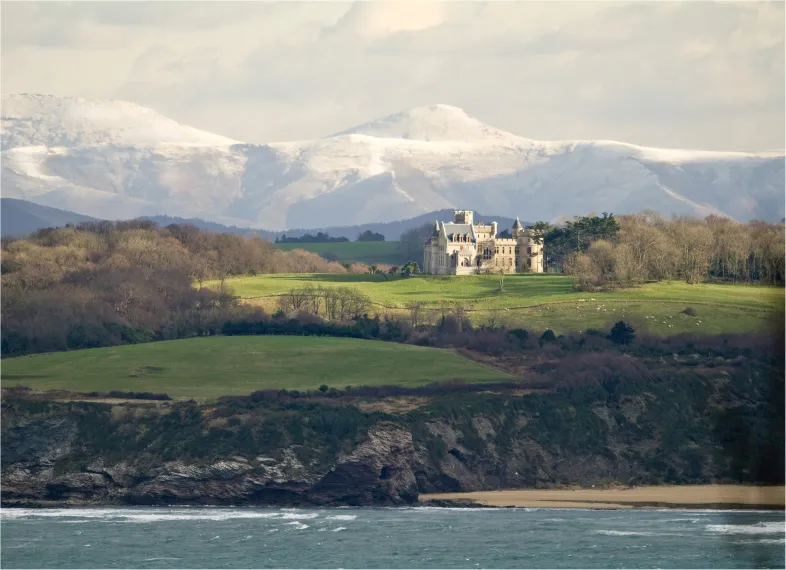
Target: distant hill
x=393, y=230
x=165, y=221
x=20, y=217
x=63, y=152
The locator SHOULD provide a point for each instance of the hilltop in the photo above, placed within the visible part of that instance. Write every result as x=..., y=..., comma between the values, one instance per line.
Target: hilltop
x=113, y=160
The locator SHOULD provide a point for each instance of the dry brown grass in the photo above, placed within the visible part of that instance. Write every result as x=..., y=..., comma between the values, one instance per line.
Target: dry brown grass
x=400, y=405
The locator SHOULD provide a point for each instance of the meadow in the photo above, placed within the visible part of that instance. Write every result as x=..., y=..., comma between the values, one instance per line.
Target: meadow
x=368, y=252
x=538, y=302
x=205, y=368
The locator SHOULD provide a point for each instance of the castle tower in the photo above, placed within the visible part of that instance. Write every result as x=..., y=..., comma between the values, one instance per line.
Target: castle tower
x=463, y=217
x=517, y=229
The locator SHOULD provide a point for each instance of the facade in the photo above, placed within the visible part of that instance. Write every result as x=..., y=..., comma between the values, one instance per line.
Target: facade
x=463, y=247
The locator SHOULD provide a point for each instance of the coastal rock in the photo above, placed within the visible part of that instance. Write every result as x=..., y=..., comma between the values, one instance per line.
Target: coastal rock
x=377, y=472
x=310, y=453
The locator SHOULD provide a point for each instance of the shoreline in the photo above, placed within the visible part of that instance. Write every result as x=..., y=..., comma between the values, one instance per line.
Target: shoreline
x=711, y=497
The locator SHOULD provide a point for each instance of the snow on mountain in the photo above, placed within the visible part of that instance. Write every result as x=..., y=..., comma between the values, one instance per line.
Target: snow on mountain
x=432, y=123
x=31, y=119
x=114, y=159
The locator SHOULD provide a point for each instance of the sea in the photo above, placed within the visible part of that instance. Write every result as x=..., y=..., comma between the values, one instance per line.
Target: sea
x=419, y=537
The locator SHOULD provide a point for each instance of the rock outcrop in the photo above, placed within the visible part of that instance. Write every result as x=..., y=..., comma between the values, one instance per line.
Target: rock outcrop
x=685, y=429
x=38, y=470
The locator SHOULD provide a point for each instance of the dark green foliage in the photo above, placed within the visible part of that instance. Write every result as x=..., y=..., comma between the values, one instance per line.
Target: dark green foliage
x=622, y=333
x=324, y=388
x=521, y=334
x=548, y=336
x=576, y=236
x=410, y=268
x=320, y=237
x=368, y=235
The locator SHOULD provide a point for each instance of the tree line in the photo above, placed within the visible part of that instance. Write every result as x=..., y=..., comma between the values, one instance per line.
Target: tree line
x=320, y=237
x=607, y=250
x=603, y=252
x=107, y=283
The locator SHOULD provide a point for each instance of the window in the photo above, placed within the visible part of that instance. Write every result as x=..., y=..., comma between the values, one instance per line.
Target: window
x=529, y=263
x=529, y=250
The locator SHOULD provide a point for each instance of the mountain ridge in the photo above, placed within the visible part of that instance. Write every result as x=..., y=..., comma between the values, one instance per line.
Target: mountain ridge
x=16, y=223
x=402, y=165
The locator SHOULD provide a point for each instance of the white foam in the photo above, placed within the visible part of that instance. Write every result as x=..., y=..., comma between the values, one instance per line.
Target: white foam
x=298, y=525
x=762, y=541
x=622, y=533
x=134, y=516
x=758, y=528
x=298, y=516
x=342, y=517
x=339, y=528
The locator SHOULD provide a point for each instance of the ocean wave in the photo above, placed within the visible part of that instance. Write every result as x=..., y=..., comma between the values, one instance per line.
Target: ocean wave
x=622, y=533
x=297, y=516
x=762, y=541
x=74, y=516
x=341, y=517
x=778, y=527
x=339, y=528
x=298, y=525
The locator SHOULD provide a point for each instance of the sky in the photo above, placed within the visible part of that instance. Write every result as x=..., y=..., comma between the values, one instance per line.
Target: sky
x=667, y=74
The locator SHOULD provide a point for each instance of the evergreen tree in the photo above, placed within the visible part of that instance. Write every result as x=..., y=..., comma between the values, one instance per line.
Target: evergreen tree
x=622, y=333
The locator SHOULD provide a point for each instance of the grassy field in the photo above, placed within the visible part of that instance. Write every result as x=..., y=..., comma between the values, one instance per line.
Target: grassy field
x=369, y=252
x=549, y=301
x=205, y=368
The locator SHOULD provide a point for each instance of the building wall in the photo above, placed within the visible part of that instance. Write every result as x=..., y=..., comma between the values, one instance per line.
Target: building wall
x=519, y=254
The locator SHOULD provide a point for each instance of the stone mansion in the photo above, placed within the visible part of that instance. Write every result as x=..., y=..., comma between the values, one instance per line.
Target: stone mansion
x=463, y=247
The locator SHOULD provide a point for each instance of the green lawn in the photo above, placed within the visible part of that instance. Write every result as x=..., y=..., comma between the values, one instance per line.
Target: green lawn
x=369, y=252
x=205, y=368
x=548, y=301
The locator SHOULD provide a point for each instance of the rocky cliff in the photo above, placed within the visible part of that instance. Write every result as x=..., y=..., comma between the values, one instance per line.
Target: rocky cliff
x=690, y=428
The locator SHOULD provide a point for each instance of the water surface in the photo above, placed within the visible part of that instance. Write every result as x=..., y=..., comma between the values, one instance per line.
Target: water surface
x=423, y=537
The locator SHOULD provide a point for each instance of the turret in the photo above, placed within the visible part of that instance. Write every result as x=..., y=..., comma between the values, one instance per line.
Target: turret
x=517, y=229
x=493, y=229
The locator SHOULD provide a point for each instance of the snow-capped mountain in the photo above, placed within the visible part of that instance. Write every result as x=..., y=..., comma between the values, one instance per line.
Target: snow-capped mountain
x=113, y=159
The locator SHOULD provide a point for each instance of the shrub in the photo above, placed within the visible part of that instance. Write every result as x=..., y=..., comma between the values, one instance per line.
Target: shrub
x=324, y=388
x=622, y=333
x=690, y=311
x=521, y=334
x=548, y=336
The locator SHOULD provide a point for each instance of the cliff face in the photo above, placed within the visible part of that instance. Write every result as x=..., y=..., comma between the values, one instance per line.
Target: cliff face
x=690, y=429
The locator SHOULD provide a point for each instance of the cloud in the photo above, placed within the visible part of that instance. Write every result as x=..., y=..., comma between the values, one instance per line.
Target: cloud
x=694, y=74
x=379, y=19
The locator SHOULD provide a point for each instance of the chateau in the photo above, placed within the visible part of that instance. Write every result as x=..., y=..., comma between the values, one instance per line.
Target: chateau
x=463, y=247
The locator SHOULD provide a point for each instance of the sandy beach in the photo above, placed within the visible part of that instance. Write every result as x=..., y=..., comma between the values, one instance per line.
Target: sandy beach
x=665, y=496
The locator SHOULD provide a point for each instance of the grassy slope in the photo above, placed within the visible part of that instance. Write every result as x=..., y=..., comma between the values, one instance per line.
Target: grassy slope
x=208, y=367
x=548, y=301
x=370, y=252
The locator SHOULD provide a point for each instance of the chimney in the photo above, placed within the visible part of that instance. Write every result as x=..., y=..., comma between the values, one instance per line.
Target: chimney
x=493, y=229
